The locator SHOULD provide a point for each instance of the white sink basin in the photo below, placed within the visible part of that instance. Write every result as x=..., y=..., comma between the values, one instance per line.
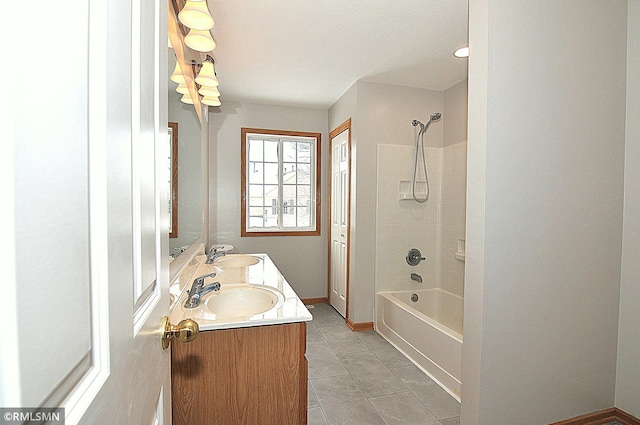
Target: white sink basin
x=236, y=260
x=242, y=300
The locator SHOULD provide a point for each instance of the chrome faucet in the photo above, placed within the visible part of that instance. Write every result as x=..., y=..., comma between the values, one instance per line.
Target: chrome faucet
x=198, y=289
x=416, y=277
x=213, y=254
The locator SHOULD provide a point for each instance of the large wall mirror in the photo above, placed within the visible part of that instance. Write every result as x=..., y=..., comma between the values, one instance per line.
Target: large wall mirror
x=189, y=169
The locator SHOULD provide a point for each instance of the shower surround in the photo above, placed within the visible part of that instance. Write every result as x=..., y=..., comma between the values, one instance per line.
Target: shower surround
x=422, y=317
x=436, y=228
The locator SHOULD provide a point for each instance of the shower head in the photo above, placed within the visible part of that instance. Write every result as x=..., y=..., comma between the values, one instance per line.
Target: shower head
x=424, y=127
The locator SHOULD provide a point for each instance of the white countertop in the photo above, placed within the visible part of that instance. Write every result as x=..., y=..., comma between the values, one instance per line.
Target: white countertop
x=290, y=310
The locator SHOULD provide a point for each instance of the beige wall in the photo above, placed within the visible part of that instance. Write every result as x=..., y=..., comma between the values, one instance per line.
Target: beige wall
x=381, y=113
x=545, y=196
x=302, y=260
x=455, y=113
x=628, y=372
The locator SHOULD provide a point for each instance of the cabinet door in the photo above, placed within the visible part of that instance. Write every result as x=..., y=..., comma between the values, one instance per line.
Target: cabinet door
x=249, y=376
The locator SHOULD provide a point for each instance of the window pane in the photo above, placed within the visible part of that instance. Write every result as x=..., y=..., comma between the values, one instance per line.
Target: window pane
x=256, y=222
x=304, y=217
x=256, y=197
x=304, y=190
x=304, y=152
x=271, y=199
x=255, y=150
x=303, y=200
x=270, y=151
x=288, y=173
x=256, y=212
x=303, y=174
x=271, y=220
x=289, y=193
x=271, y=173
x=289, y=151
x=255, y=172
x=289, y=220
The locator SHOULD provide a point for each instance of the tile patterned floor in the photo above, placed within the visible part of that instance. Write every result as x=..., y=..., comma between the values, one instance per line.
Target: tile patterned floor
x=358, y=378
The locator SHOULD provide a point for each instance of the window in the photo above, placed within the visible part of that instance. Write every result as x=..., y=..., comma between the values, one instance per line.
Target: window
x=280, y=184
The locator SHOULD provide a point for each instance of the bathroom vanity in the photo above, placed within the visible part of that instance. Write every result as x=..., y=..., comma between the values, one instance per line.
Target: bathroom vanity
x=247, y=365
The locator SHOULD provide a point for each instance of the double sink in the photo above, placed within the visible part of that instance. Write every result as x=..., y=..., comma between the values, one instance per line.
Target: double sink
x=236, y=298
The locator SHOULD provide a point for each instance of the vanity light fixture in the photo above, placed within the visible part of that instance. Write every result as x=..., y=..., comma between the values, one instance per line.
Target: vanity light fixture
x=209, y=91
x=199, y=40
x=176, y=75
x=182, y=88
x=462, y=52
x=211, y=101
x=207, y=74
x=195, y=14
x=186, y=98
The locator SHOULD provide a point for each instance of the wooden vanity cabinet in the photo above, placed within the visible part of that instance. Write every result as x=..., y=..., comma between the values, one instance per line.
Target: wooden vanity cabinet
x=252, y=376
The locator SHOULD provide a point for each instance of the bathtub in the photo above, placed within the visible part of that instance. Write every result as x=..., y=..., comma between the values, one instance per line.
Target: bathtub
x=427, y=331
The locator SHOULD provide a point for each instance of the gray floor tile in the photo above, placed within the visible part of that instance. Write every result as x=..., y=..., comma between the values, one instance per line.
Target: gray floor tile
x=339, y=387
x=355, y=413
x=325, y=315
x=316, y=417
x=358, y=378
x=371, y=375
x=312, y=399
x=383, y=350
x=403, y=408
x=323, y=361
x=342, y=339
x=312, y=333
x=343, y=402
x=433, y=397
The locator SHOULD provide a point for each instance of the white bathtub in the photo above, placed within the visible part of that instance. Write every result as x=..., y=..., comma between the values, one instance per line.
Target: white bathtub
x=428, y=332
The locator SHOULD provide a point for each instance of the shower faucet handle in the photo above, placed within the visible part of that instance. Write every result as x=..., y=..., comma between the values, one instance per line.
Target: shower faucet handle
x=414, y=257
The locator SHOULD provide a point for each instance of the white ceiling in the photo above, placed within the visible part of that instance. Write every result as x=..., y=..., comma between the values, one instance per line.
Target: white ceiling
x=309, y=52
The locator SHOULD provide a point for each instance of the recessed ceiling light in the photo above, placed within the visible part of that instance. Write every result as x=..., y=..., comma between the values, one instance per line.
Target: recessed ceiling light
x=462, y=52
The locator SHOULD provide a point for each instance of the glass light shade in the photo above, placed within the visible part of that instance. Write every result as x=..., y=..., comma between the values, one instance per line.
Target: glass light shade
x=211, y=101
x=200, y=40
x=209, y=91
x=186, y=99
x=207, y=75
x=176, y=75
x=182, y=88
x=195, y=14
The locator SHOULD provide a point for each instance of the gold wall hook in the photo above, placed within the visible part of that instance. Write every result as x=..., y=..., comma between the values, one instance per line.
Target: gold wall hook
x=185, y=331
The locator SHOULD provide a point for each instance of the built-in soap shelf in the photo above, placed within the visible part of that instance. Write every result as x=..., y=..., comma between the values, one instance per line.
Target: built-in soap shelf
x=405, y=192
x=460, y=252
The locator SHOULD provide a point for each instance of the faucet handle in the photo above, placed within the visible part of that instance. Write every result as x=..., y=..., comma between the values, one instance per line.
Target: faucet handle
x=414, y=256
x=213, y=250
x=199, y=281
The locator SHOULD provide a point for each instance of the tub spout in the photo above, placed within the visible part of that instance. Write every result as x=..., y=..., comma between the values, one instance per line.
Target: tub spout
x=416, y=277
